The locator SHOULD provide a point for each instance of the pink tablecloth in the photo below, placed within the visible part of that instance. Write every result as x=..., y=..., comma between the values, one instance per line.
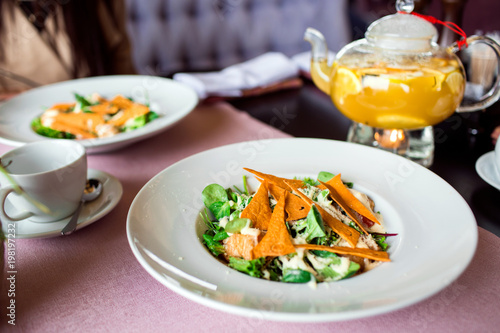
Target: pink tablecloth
x=90, y=281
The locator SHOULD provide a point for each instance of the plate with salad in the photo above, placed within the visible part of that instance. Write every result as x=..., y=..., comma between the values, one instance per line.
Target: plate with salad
x=301, y=230
x=103, y=113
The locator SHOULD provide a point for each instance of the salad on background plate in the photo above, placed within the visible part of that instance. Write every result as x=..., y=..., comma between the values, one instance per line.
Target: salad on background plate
x=92, y=117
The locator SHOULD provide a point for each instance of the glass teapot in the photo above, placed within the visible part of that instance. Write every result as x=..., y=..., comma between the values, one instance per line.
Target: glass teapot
x=397, y=82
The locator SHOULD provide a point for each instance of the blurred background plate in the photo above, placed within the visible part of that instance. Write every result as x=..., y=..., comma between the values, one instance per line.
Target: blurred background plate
x=171, y=100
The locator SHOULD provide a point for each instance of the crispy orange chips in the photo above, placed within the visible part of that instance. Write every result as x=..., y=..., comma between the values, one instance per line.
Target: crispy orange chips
x=281, y=182
x=294, y=207
x=258, y=210
x=277, y=241
x=294, y=204
x=349, y=199
x=340, y=201
x=344, y=231
x=359, y=252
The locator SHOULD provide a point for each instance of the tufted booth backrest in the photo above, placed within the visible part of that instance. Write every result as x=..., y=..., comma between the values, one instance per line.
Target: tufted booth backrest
x=169, y=36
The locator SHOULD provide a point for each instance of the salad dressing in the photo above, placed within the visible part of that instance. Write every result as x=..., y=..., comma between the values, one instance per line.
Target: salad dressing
x=296, y=262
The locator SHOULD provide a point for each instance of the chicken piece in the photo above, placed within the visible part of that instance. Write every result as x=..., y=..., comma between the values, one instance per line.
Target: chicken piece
x=106, y=130
x=240, y=246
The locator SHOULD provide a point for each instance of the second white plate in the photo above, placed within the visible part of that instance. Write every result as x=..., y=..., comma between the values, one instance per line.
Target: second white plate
x=170, y=99
x=486, y=169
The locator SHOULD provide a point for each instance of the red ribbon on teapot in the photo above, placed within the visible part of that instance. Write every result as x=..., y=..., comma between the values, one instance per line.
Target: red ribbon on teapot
x=450, y=25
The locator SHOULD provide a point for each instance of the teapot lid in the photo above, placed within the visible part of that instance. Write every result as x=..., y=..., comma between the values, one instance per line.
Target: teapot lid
x=402, y=31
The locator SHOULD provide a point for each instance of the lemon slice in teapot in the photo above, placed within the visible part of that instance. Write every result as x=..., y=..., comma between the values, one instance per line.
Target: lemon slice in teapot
x=346, y=83
x=436, y=76
x=455, y=82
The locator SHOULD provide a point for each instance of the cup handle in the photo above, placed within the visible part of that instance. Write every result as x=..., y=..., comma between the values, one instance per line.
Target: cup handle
x=494, y=93
x=4, y=192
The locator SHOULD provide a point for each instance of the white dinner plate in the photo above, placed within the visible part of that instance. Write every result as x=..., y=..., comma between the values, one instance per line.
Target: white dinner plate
x=487, y=170
x=170, y=99
x=91, y=211
x=437, y=232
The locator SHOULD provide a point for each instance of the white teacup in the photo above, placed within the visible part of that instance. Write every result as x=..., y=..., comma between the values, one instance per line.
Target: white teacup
x=52, y=173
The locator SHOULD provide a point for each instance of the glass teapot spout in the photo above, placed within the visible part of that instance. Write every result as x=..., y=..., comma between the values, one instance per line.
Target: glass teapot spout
x=320, y=71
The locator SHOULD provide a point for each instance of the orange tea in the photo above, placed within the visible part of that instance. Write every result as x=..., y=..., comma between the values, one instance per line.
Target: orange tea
x=403, y=98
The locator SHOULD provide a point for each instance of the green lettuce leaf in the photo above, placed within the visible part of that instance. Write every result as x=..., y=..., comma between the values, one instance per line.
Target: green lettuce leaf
x=297, y=276
x=37, y=126
x=250, y=267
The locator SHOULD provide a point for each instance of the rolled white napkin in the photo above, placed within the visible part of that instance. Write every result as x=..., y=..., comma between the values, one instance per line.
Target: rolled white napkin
x=264, y=70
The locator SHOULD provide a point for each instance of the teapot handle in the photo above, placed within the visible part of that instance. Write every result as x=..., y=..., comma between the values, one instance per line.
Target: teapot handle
x=493, y=94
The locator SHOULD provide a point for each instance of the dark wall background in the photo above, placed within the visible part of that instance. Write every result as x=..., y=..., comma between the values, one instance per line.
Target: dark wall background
x=478, y=15
x=481, y=15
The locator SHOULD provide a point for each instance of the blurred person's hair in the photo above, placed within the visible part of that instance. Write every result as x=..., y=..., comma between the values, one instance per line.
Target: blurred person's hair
x=80, y=22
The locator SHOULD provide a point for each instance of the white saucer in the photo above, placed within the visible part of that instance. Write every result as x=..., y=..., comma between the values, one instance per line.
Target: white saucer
x=486, y=169
x=91, y=211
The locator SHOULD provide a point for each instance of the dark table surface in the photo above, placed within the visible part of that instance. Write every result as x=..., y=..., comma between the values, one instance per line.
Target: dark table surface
x=460, y=140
